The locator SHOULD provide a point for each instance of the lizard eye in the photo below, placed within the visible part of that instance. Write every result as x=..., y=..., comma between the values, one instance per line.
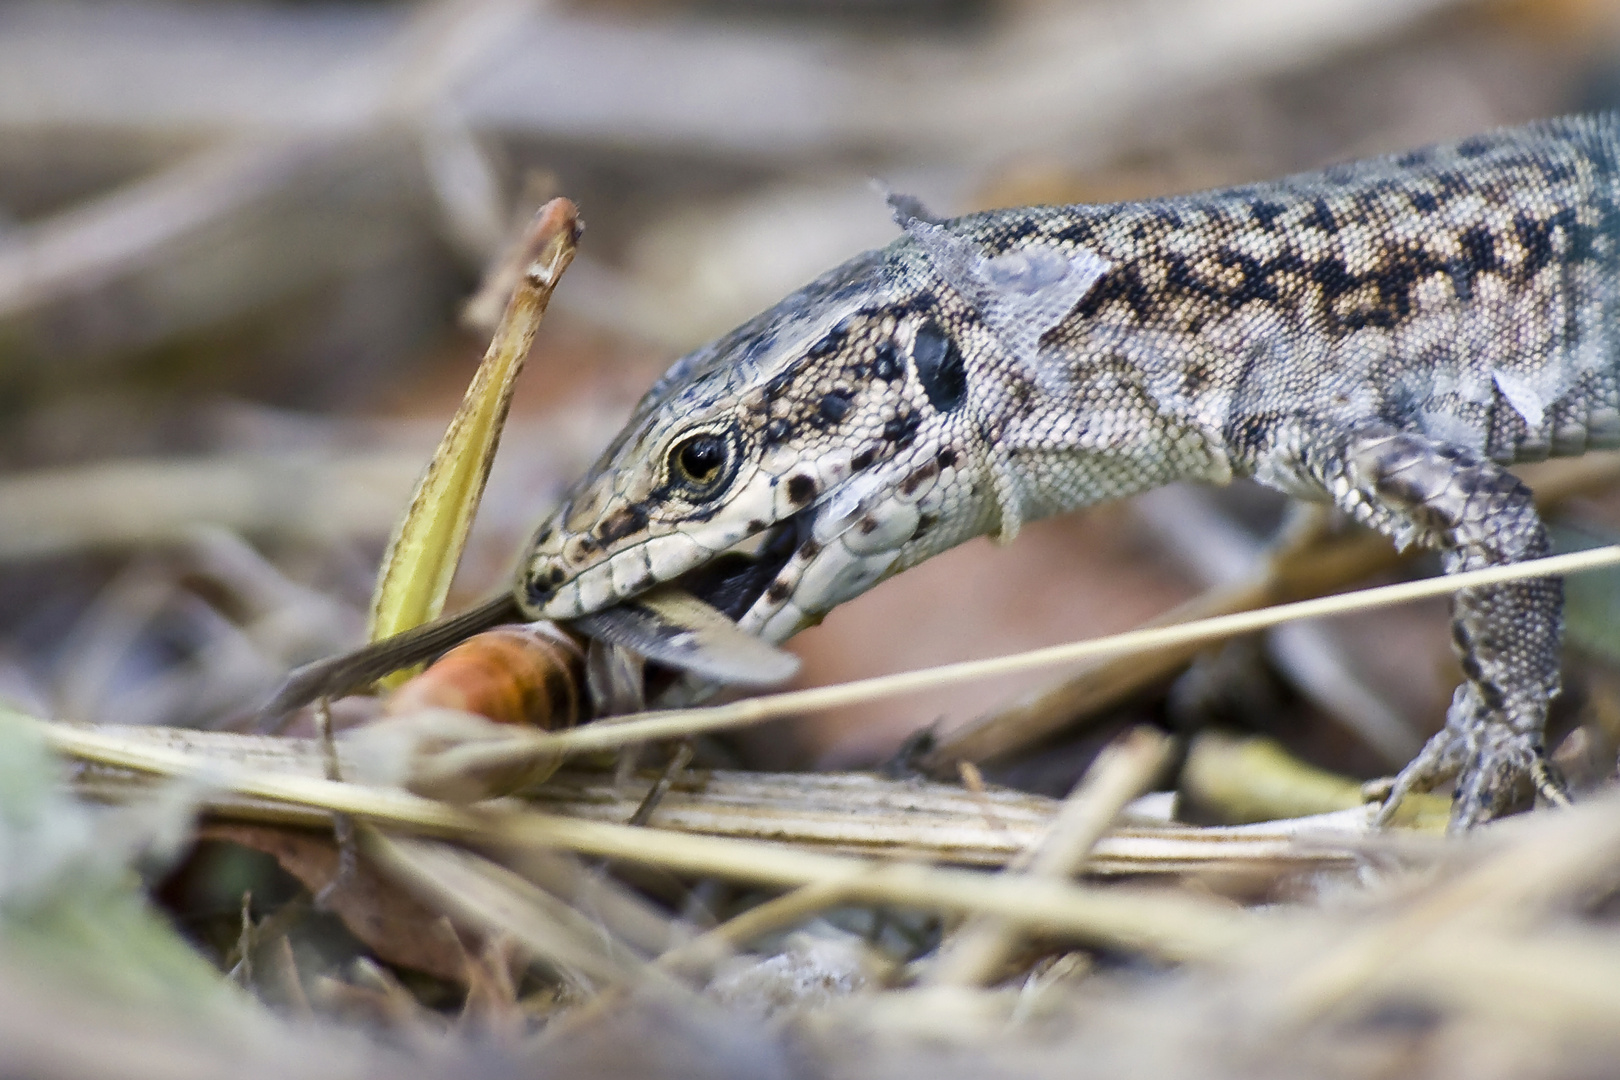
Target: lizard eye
x=699, y=462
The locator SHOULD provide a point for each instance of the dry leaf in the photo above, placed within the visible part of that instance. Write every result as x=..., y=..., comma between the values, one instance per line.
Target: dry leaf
x=392, y=923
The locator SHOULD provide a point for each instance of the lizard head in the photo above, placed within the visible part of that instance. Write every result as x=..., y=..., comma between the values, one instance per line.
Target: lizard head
x=838, y=438
x=787, y=467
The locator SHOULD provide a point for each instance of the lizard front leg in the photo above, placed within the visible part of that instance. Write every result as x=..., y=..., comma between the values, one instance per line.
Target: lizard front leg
x=1507, y=637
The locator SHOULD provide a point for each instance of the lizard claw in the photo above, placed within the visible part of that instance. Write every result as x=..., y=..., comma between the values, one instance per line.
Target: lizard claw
x=1497, y=770
x=1550, y=783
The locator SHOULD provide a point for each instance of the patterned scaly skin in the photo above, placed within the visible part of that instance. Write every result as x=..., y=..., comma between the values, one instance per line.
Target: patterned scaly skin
x=1385, y=335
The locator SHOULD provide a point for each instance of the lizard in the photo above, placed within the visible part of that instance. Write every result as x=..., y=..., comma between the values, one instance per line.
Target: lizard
x=1387, y=335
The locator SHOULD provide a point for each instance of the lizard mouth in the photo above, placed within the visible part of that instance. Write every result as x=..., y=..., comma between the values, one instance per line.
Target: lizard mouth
x=734, y=581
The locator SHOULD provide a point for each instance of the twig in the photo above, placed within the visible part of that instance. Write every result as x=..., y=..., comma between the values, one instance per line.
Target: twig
x=676, y=765
x=82, y=248
x=1500, y=895
x=426, y=547
x=242, y=970
x=292, y=982
x=342, y=825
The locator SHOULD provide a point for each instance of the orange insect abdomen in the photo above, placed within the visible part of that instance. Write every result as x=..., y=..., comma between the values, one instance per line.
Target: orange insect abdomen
x=531, y=674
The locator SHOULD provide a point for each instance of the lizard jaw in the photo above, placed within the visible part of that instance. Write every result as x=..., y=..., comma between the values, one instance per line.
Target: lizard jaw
x=773, y=579
x=854, y=543
x=730, y=579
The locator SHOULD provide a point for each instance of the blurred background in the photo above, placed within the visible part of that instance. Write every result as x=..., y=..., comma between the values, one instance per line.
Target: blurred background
x=236, y=238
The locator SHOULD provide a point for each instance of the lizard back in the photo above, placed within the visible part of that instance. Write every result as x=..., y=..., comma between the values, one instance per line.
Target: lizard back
x=1468, y=292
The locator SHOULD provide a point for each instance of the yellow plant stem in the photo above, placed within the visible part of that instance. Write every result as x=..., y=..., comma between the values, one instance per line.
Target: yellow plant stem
x=422, y=556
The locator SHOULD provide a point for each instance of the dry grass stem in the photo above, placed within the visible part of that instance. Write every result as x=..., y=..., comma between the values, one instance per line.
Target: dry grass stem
x=680, y=723
x=841, y=813
x=1501, y=894
x=764, y=918
x=486, y=895
x=1125, y=768
x=1174, y=927
x=1300, y=567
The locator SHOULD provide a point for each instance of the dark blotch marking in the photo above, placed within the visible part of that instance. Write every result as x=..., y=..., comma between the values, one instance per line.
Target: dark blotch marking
x=1196, y=377
x=776, y=430
x=1475, y=147
x=922, y=474
x=946, y=458
x=783, y=381
x=1536, y=237
x=1080, y=231
x=778, y=592
x=1257, y=430
x=1167, y=216
x=621, y=523
x=1423, y=202
x=1332, y=277
x=1017, y=229
x=1266, y=213
x=808, y=550
x=940, y=367
x=1023, y=400
x=830, y=344
x=1558, y=172
x=757, y=526
x=924, y=523
x=545, y=534
x=1122, y=284
x=801, y=489
x=1453, y=184
x=1178, y=273
x=867, y=525
x=886, y=363
x=835, y=405
x=902, y=429
x=1462, y=278
x=864, y=459
x=1321, y=216
x=1479, y=250
x=1256, y=283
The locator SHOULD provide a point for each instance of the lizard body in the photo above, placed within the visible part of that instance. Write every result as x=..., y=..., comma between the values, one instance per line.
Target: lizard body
x=1387, y=335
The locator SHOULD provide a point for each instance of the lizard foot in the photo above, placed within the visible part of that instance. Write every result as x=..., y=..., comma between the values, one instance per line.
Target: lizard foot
x=1498, y=771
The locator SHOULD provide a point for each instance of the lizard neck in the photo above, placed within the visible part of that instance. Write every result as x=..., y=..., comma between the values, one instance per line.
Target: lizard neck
x=1093, y=435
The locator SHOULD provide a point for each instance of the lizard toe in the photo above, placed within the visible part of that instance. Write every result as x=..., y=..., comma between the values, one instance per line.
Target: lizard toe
x=1497, y=779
